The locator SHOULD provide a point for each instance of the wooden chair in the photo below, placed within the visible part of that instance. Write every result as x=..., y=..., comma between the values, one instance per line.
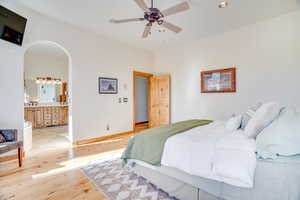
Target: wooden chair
x=12, y=143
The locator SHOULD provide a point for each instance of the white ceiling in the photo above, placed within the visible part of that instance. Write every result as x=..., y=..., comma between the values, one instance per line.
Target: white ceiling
x=203, y=19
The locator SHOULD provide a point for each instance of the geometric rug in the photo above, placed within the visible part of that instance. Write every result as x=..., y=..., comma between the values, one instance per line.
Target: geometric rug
x=120, y=183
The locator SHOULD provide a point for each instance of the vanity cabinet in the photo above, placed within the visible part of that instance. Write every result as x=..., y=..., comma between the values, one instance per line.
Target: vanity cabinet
x=41, y=117
x=64, y=113
x=30, y=115
x=35, y=116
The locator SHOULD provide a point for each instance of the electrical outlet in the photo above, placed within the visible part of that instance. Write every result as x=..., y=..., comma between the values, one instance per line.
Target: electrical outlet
x=107, y=127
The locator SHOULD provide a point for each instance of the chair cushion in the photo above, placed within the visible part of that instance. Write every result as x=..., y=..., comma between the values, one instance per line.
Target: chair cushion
x=2, y=138
x=9, y=135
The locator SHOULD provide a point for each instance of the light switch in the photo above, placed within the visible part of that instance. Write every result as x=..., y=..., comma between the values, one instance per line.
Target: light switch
x=125, y=87
x=125, y=99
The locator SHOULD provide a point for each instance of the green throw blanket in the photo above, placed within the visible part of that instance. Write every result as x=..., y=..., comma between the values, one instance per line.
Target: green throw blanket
x=148, y=146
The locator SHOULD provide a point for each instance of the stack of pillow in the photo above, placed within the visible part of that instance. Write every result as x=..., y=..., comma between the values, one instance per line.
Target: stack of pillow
x=276, y=129
x=255, y=119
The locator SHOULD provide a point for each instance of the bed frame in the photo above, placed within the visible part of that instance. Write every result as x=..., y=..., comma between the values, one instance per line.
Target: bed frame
x=173, y=186
x=276, y=180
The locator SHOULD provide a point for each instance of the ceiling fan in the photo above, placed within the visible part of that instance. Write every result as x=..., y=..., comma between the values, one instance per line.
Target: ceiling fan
x=152, y=15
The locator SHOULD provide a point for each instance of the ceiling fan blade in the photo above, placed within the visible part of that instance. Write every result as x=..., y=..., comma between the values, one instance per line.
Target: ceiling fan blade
x=126, y=20
x=147, y=30
x=142, y=5
x=172, y=27
x=176, y=9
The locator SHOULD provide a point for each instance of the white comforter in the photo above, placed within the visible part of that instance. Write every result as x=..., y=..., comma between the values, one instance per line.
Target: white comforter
x=213, y=152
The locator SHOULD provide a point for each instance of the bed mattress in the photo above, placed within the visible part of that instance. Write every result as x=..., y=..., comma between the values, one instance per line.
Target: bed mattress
x=274, y=180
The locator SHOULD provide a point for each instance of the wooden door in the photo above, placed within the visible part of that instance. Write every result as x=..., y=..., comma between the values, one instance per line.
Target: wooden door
x=154, y=103
x=164, y=97
x=159, y=113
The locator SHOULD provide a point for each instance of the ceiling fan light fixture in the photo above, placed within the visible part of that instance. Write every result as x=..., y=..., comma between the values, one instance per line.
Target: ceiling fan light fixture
x=154, y=16
x=223, y=4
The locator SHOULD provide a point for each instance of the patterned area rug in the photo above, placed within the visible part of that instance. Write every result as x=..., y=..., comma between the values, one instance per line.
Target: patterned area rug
x=119, y=183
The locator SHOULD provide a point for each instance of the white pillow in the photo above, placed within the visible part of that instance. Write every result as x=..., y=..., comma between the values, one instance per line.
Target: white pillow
x=282, y=137
x=261, y=119
x=249, y=114
x=298, y=109
x=234, y=123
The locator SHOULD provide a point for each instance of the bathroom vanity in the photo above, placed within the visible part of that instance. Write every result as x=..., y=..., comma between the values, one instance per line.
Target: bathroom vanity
x=46, y=116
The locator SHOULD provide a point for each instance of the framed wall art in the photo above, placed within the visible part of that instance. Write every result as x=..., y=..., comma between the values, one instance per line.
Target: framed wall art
x=108, y=85
x=218, y=81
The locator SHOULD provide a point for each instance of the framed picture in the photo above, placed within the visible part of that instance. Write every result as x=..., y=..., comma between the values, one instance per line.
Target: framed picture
x=218, y=81
x=108, y=85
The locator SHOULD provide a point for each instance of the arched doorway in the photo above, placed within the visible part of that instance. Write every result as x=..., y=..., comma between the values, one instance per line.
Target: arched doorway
x=47, y=96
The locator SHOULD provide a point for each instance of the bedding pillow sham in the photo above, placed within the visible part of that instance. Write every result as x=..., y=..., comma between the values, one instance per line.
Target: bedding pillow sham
x=262, y=118
x=282, y=137
x=249, y=114
x=234, y=123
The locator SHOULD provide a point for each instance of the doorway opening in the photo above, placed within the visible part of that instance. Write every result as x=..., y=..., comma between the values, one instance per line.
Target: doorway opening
x=141, y=100
x=47, y=106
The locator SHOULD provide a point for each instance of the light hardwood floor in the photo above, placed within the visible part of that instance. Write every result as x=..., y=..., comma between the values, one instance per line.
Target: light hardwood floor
x=51, y=170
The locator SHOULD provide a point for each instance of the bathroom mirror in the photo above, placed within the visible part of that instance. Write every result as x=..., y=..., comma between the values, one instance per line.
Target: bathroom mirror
x=42, y=91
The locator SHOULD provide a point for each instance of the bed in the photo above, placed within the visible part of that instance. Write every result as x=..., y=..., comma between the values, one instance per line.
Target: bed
x=180, y=173
x=278, y=180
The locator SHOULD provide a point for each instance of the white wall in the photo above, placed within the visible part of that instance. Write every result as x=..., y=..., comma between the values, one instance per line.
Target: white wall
x=11, y=93
x=46, y=65
x=267, y=57
x=91, y=56
x=141, y=95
